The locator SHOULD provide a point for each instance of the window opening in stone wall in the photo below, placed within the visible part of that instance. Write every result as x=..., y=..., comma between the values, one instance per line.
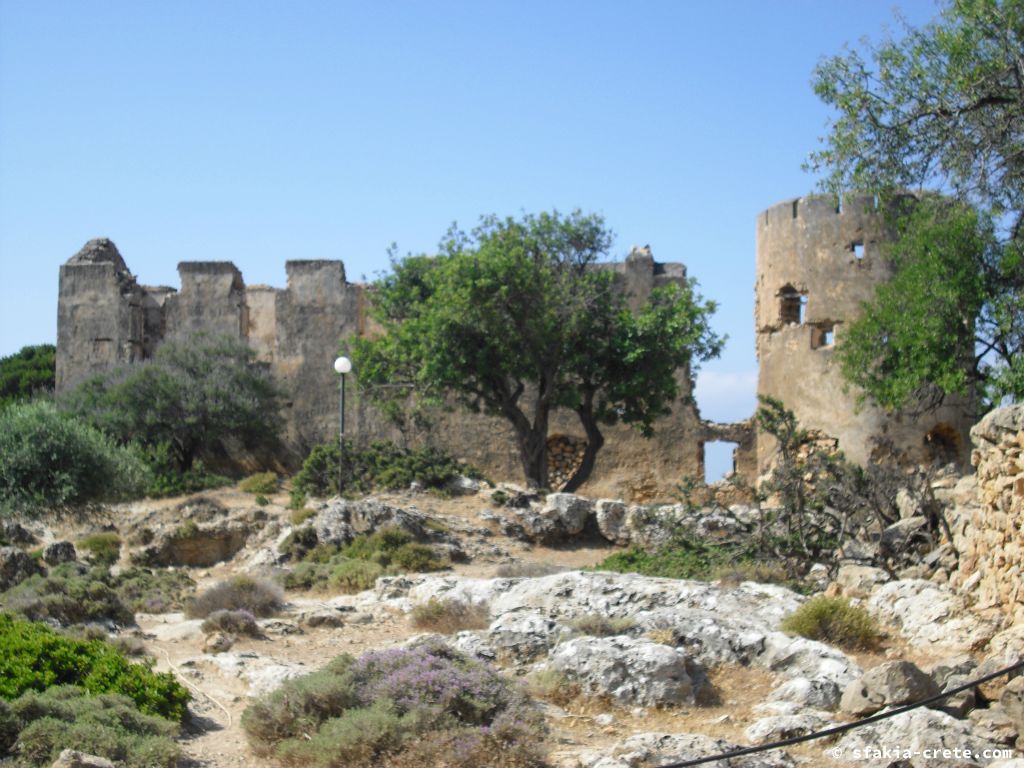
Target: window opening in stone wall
x=823, y=336
x=791, y=305
x=858, y=250
x=942, y=445
x=719, y=460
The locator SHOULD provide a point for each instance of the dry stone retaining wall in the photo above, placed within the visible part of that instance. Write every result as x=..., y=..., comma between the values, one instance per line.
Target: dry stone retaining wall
x=990, y=538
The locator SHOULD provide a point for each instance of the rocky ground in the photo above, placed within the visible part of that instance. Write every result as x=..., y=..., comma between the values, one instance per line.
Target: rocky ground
x=695, y=668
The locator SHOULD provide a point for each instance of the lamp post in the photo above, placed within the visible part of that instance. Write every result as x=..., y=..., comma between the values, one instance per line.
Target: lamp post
x=342, y=365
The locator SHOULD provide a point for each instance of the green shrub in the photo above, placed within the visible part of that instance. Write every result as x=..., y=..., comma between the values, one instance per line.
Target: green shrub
x=258, y=597
x=240, y=623
x=394, y=548
x=36, y=658
x=835, y=621
x=48, y=459
x=354, y=575
x=9, y=727
x=667, y=563
x=153, y=590
x=353, y=738
x=306, y=576
x=104, y=548
x=69, y=594
x=32, y=370
x=381, y=465
x=302, y=704
x=416, y=557
x=105, y=725
x=260, y=483
x=344, y=574
x=450, y=616
x=169, y=480
x=397, y=706
x=299, y=543
x=197, y=397
x=357, y=565
x=684, y=556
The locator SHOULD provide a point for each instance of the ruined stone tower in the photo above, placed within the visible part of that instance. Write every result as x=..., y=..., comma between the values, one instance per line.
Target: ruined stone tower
x=816, y=265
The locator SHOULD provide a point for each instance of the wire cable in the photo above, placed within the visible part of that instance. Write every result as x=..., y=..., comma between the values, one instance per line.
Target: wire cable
x=845, y=726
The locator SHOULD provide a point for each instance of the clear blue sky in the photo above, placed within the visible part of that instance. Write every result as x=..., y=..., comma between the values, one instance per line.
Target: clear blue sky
x=263, y=131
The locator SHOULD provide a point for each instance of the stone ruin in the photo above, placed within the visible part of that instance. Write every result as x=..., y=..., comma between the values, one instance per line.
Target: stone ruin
x=107, y=318
x=815, y=265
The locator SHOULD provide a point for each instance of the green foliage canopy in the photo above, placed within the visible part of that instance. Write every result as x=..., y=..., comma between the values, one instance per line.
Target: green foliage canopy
x=940, y=108
x=48, y=458
x=31, y=370
x=916, y=341
x=518, y=318
x=36, y=658
x=194, y=397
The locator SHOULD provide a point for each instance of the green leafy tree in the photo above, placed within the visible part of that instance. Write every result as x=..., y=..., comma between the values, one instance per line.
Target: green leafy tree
x=941, y=108
x=50, y=459
x=517, y=319
x=194, y=398
x=29, y=371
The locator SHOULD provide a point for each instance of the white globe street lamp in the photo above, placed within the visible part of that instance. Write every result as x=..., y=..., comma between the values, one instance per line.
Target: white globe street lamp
x=342, y=366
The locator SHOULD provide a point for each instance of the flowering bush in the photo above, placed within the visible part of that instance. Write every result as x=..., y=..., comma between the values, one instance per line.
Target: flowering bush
x=426, y=703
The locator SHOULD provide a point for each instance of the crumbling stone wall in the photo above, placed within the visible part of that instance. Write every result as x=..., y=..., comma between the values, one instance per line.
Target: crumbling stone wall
x=816, y=265
x=100, y=315
x=988, y=534
x=105, y=318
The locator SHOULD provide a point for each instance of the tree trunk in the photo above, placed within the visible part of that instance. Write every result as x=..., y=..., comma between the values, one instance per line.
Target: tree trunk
x=595, y=441
x=533, y=453
x=531, y=440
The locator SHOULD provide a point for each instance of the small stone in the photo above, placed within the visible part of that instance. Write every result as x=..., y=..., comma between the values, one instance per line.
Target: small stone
x=889, y=684
x=859, y=580
x=71, y=758
x=218, y=642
